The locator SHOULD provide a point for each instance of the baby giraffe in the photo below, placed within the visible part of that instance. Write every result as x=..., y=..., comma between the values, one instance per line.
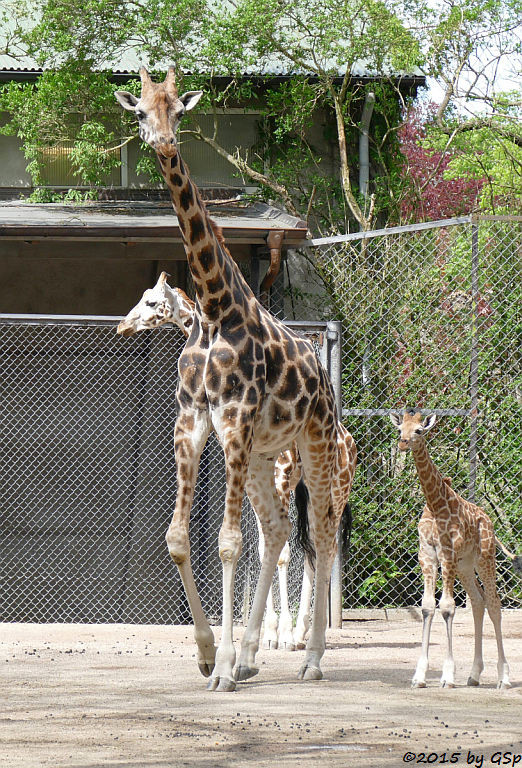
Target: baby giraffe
x=460, y=536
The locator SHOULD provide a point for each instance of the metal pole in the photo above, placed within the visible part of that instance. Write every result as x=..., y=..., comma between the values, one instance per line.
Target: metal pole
x=474, y=360
x=333, y=335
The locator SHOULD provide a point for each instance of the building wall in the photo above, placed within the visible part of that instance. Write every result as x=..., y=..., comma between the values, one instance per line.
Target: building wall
x=207, y=168
x=46, y=278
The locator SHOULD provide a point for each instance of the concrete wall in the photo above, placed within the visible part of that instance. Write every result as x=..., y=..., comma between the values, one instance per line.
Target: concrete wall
x=73, y=278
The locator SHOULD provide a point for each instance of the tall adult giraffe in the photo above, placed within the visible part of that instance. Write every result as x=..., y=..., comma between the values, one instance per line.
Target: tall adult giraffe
x=163, y=304
x=260, y=386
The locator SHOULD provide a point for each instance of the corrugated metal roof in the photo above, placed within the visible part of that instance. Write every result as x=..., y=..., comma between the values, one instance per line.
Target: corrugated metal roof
x=130, y=62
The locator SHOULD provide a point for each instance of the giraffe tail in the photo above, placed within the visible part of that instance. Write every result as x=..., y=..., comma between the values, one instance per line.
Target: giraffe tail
x=517, y=559
x=302, y=497
x=346, y=530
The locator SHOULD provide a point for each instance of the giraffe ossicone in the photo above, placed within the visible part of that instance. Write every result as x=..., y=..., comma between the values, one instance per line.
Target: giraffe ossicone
x=261, y=387
x=458, y=535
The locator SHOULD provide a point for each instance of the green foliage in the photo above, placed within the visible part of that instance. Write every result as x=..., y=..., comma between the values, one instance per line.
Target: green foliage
x=71, y=107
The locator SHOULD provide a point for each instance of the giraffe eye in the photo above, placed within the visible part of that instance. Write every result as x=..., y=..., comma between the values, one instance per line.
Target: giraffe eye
x=140, y=115
x=419, y=431
x=151, y=304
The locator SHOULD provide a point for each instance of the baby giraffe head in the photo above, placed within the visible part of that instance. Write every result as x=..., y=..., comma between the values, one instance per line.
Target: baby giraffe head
x=159, y=110
x=412, y=427
x=159, y=305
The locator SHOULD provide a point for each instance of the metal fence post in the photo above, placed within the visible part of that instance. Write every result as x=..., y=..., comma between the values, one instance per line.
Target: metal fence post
x=334, y=368
x=474, y=360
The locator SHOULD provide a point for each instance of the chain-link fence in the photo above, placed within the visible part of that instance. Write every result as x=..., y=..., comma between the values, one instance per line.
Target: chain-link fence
x=431, y=317
x=88, y=478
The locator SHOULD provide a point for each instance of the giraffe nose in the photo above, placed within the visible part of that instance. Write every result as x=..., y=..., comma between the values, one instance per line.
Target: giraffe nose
x=167, y=146
x=125, y=329
x=403, y=444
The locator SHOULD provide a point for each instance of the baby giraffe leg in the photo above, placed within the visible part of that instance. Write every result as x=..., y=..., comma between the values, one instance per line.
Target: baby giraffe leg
x=447, y=608
x=486, y=571
x=467, y=577
x=428, y=564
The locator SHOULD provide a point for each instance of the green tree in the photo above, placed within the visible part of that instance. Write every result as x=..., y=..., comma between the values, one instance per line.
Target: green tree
x=326, y=46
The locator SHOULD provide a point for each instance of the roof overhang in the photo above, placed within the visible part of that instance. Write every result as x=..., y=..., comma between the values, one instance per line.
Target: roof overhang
x=141, y=222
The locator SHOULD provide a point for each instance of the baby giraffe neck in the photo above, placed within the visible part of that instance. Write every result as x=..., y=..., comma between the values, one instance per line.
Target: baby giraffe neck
x=431, y=480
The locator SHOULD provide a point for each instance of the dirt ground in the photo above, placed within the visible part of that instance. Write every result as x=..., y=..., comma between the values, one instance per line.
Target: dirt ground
x=119, y=695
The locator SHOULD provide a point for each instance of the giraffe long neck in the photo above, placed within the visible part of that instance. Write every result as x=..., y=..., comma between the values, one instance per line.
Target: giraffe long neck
x=217, y=278
x=435, y=490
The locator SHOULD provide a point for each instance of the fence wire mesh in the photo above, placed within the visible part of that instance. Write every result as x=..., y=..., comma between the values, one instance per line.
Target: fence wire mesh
x=431, y=317
x=88, y=479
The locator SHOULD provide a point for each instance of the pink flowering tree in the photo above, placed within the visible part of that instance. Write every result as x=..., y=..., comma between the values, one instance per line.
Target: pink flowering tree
x=430, y=190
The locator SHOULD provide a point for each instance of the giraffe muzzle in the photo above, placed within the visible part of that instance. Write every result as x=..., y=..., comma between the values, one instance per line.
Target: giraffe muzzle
x=124, y=330
x=167, y=148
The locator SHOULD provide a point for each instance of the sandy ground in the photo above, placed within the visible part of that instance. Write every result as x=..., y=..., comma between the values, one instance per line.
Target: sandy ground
x=121, y=695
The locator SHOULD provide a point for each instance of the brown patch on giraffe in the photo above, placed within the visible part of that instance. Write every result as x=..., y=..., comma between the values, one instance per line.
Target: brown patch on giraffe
x=206, y=258
x=198, y=231
x=216, y=284
x=289, y=384
x=176, y=179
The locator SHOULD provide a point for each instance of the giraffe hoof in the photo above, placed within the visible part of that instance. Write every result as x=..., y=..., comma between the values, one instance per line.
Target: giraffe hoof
x=503, y=685
x=446, y=684
x=472, y=682
x=245, y=673
x=309, y=673
x=418, y=684
x=223, y=684
x=206, y=668
x=289, y=646
x=300, y=645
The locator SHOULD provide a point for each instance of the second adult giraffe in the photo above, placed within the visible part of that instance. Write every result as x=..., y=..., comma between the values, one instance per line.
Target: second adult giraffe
x=260, y=386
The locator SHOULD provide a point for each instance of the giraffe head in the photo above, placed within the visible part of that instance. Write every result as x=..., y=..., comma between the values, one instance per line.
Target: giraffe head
x=159, y=110
x=159, y=305
x=412, y=427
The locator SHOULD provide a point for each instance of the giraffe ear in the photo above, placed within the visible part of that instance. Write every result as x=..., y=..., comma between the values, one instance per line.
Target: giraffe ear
x=429, y=421
x=162, y=279
x=190, y=99
x=126, y=99
x=396, y=420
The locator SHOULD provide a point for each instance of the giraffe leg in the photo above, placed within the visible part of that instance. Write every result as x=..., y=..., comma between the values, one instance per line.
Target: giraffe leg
x=447, y=608
x=190, y=435
x=230, y=542
x=428, y=564
x=285, y=633
x=270, y=628
x=486, y=571
x=276, y=527
x=303, y=617
x=466, y=573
